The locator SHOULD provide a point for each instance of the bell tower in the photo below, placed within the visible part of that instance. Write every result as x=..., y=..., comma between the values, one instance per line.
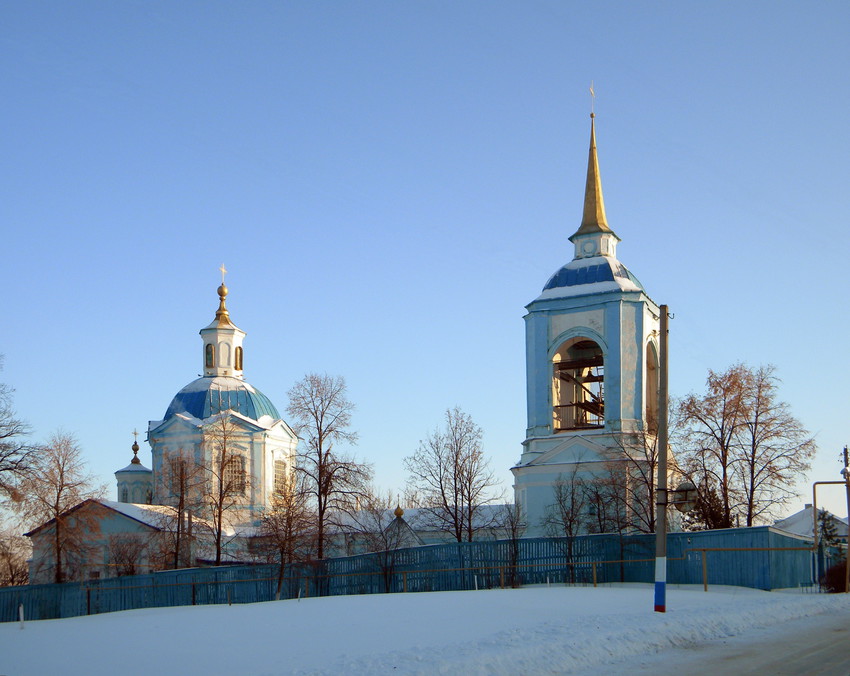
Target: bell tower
x=591, y=362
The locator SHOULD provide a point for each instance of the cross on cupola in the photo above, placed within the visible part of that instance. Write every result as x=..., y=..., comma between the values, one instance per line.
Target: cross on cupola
x=222, y=340
x=135, y=449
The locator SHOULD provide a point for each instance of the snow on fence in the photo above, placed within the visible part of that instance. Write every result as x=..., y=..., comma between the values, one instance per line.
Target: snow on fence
x=760, y=557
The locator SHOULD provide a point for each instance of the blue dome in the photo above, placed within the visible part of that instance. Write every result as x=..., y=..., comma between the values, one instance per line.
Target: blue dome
x=211, y=395
x=588, y=271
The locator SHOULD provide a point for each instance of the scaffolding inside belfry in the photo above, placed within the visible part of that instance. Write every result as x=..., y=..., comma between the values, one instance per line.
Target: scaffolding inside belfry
x=578, y=393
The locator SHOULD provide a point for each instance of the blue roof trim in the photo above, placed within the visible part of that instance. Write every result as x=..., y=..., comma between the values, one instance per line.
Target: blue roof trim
x=202, y=402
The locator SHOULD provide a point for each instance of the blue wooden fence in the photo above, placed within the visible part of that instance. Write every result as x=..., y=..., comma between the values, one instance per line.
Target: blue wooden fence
x=774, y=560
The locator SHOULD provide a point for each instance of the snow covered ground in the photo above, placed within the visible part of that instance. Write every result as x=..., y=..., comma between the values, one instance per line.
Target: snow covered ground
x=533, y=630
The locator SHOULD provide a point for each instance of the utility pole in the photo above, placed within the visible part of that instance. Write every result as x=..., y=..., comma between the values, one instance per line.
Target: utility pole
x=661, y=483
x=846, y=473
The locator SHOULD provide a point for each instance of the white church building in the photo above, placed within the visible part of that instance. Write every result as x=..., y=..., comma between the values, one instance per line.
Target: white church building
x=261, y=443
x=261, y=449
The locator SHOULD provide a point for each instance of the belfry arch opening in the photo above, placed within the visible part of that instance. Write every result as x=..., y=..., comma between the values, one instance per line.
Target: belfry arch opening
x=578, y=375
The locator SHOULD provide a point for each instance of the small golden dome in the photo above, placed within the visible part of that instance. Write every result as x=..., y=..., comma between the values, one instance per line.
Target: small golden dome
x=222, y=291
x=399, y=512
x=135, y=460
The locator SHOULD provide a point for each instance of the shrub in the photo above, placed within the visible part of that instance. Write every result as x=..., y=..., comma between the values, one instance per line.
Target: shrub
x=833, y=579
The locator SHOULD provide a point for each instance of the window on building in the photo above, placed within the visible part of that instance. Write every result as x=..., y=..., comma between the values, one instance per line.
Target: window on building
x=234, y=474
x=125, y=496
x=238, y=365
x=175, y=472
x=578, y=400
x=281, y=478
x=209, y=356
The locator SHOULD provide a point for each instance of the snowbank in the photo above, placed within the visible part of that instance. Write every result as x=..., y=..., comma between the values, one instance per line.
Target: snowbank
x=523, y=631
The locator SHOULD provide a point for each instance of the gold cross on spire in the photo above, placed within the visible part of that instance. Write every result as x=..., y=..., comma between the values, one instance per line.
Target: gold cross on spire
x=223, y=272
x=592, y=98
x=135, y=435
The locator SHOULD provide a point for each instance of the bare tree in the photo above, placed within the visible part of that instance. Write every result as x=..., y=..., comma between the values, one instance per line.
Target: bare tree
x=627, y=494
x=14, y=552
x=743, y=444
x=321, y=414
x=773, y=446
x=127, y=552
x=608, y=501
x=452, y=476
x=287, y=527
x=709, y=426
x=512, y=526
x=565, y=517
x=17, y=455
x=227, y=472
x=183, y=480
x=380, y=527
x=58, y=482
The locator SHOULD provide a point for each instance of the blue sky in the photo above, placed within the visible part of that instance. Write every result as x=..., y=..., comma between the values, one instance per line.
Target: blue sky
x=390, y=183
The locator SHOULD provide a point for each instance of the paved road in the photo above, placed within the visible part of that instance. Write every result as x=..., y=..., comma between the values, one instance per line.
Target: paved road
x=817, y=646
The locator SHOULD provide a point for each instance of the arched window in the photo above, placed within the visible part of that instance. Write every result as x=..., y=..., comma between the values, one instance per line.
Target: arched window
x=125, y=497
x=209, y=356
x=578, y=400
x=651, y=390
x=234, y=475
x=238, y=359
x=175, y=472
x=281, y=478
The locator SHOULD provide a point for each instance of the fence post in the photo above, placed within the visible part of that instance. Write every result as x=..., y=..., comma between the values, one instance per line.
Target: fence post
x=593, y=563
x=306, y=587
x=501, y=577
x=704, y=571
x=88, y=600
x=404, y=580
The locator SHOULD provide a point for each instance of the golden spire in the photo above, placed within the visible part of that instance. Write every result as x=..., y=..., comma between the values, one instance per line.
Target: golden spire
x=593, y=219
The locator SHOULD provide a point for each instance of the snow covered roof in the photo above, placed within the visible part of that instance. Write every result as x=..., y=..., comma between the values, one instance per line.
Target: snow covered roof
x=802, y=523
x=134, y=467
x=422, y=519
x=150, y=515
x=400, y=534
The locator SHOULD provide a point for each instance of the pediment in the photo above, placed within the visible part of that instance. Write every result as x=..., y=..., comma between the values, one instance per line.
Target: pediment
x=180, y=421
x=282, y=428
x=571, y=451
